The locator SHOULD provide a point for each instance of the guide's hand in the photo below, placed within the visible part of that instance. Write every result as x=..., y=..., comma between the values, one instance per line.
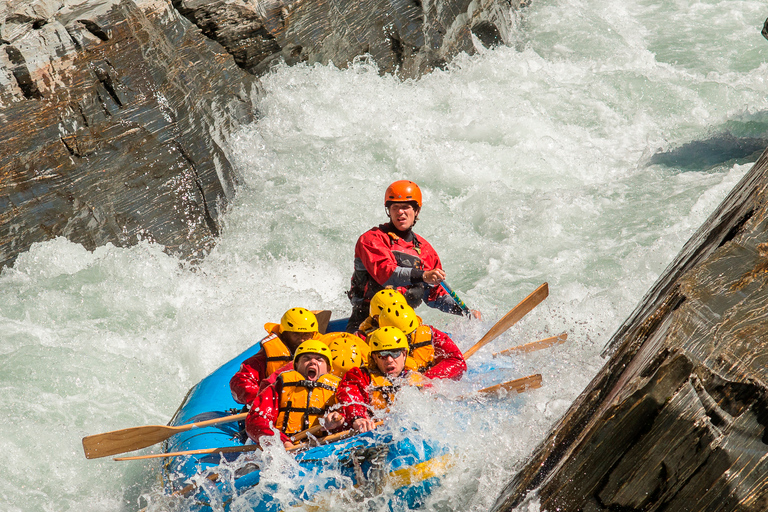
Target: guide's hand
x=433, y=277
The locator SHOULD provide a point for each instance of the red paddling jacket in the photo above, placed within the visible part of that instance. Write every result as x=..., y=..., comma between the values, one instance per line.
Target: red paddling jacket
x=363, y=389
x=274, y=355
x=434, y=354
x=385, y=257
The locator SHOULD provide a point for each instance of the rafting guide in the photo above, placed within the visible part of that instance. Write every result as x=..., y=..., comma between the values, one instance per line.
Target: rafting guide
x=392, y=255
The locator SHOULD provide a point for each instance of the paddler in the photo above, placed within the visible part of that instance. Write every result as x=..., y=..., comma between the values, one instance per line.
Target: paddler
x=277, y=350
x=363, y=390
x=392, y=255
x=431, y=351
x=298, y=398
x=381, y=300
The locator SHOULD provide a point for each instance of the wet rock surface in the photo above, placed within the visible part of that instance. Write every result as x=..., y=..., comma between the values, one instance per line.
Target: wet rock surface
x=115, y=116
x=676, y=420
x=116, y=113
x=409, y=37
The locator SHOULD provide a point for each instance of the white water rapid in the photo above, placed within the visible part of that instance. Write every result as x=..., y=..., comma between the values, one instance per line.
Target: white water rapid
x=534, y=162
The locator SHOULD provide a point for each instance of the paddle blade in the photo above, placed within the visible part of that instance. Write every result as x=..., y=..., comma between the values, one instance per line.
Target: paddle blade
x=511, y=318
x=534, y=345
x=323, y=317
x=136, y=438
x=518, y=385
x=126, y=440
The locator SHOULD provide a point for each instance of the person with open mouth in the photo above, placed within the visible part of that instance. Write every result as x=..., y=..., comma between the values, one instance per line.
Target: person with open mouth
x=298, y=398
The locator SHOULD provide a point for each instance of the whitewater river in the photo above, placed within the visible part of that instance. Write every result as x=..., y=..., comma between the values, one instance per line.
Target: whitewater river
x=534, y=160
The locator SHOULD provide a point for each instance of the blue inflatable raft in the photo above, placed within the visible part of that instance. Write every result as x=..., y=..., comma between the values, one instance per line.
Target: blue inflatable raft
x=400, y=461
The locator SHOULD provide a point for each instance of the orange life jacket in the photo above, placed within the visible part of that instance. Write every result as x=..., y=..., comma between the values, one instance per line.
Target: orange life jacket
x=382, y=391
x=421, y=352
x=278, y=354
x=303, y=402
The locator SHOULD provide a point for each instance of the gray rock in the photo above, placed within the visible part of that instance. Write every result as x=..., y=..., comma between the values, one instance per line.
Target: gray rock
x=410, y=37
x=115, y=118
x=676, y=420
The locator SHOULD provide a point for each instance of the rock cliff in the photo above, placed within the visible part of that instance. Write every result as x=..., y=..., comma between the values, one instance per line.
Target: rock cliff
x=116, y=113
x=676, y=420
x=115, y=116
x=409, y=37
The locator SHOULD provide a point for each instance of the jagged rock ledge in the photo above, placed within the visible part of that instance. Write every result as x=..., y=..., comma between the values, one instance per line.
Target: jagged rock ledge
x=407, y=37
x=115, y=117
x=676, y=420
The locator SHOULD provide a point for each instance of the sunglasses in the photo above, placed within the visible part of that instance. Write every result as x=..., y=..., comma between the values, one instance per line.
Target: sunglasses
x=394, y=354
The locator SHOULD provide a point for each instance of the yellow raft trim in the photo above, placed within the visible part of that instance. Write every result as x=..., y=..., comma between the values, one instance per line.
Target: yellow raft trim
x=419, y=472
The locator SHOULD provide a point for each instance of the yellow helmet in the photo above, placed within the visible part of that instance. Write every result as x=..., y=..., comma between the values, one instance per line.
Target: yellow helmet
x=313, y=347
x=347, y=351
x=387, y=338
x=384, y=298
x=298, y=320
x=401, y=316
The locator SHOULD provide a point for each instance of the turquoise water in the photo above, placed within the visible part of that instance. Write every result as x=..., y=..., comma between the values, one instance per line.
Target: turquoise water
x=534, y=162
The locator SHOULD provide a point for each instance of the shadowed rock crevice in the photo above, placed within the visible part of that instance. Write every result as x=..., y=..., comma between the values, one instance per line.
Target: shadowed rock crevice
x=94, y=29
x=487, y=33
x=21, y=74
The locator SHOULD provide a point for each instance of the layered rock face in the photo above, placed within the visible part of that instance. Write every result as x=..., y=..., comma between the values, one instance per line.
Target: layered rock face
x=114, y=119
x=676, y=420
x=410, y=37
x=115, y=113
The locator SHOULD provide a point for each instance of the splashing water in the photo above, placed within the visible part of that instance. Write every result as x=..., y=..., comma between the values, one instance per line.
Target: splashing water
x=533, y=160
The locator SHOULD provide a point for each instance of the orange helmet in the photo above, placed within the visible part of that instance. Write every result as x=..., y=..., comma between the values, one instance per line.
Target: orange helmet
x=403, y=191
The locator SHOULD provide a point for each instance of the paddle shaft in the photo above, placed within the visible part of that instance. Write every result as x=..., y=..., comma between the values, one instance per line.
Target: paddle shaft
x=534, y=345
x=518, y=385
x=251, y=447
x=459, y=302
x=136, y=438
x=511, y=318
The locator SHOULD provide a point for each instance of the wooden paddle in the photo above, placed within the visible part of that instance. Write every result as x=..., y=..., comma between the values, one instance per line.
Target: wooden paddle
x=136, y=438
x=511, y=318
x=323, y=317
x=251, y=447
x=534, y=345
x=518, y=385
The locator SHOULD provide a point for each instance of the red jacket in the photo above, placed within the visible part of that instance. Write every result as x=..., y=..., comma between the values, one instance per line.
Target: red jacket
x=386, y=259
x=251, y=378
x=449, y=362
x=353, y=394
x=263, y=413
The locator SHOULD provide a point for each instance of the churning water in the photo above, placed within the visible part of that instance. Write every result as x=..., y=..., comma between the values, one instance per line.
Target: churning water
x=535, y=162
